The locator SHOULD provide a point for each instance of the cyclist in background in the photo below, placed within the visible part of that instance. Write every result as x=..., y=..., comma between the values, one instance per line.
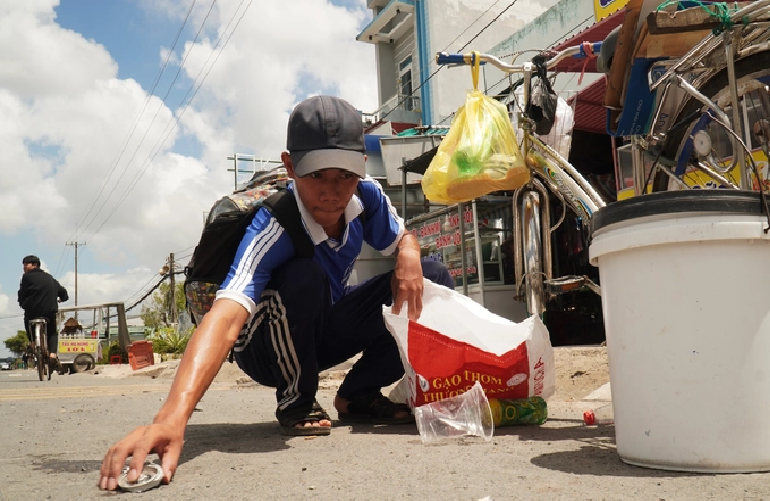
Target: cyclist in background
x=39, y=297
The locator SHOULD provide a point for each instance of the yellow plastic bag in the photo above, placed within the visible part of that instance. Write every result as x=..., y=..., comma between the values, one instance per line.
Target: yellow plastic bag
x=479, y=154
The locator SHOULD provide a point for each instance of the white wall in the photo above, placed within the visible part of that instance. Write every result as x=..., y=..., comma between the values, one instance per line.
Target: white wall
x=453, y=23
x=559, y=23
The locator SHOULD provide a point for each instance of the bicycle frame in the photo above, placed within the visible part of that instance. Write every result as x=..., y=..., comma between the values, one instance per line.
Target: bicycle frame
x=531, y=202
x=695, y=63
x=39, y=335
x=39, y=327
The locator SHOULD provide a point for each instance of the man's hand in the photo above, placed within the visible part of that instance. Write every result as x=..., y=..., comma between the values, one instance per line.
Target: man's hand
x=203, y=358
x=164, y=439
x=407, y=278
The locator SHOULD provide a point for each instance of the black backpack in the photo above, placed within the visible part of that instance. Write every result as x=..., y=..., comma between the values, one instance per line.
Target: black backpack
x=222, y=234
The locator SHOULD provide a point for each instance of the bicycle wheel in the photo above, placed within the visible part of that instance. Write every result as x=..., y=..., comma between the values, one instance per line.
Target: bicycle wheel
x=42, y=363
x=701, y=139
x=82, y=363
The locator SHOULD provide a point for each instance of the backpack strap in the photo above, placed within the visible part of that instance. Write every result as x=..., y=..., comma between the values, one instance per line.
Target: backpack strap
x=283, y=206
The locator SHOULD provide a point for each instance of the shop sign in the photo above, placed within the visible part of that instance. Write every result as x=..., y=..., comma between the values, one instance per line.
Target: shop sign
x=603, y=8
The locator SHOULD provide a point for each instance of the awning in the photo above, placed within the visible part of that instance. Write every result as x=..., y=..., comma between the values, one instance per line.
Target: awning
x=595, y=33
x=590, y=112
x=373, y=34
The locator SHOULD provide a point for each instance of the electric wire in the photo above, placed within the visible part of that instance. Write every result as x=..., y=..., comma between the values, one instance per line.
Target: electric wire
x=411, y=94
x=174, y=122
x=126, y=141
x=470, y=25
x=146, y=132
x=154, y=288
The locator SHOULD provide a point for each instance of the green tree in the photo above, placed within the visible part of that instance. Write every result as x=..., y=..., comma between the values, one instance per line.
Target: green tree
x=17, y=344
x=156, y=314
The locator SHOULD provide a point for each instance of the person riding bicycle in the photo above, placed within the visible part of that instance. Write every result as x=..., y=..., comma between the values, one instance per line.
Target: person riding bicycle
x=39, y=297
x=290, y=317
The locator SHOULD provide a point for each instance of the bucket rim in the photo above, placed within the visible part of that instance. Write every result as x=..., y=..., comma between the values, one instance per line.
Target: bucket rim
x=741, y=202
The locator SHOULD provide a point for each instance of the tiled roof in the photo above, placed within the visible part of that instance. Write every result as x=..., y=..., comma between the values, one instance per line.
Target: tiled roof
x=590, y=112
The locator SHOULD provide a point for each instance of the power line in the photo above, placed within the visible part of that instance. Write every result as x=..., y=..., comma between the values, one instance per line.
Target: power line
x=148, y=293
x=441, y=67
x=566, y=35
x=154, y=288
x=185, y=249
x=144, y=136
x=62, y=256
x=469, y=26
x=141, y=288
x=487, y=26
x=174, y=122
x=139, y=116
x=507, y=76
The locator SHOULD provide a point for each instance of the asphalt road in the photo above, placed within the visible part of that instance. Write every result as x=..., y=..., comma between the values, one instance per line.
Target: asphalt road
x=55, y=434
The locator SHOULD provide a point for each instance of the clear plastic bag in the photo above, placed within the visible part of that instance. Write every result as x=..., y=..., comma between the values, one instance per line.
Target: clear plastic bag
x=479, y=154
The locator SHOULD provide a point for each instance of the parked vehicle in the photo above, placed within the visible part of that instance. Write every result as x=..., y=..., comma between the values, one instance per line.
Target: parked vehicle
x=79, y=345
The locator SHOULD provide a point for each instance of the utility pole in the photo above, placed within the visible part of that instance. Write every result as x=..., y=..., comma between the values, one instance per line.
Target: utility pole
x=76, y=244
x=172, y=291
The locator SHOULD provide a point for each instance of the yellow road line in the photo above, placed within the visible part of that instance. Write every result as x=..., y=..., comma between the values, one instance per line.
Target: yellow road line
x=38, y=393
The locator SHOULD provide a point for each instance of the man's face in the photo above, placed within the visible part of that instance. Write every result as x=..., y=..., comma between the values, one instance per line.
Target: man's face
x=326, y=193
x=29, y=266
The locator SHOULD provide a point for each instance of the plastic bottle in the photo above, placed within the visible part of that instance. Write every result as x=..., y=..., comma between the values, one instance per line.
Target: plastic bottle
x=506, y=412
x=600, y=415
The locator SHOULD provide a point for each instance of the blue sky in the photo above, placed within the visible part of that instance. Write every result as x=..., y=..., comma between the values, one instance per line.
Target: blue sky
x=75, y=78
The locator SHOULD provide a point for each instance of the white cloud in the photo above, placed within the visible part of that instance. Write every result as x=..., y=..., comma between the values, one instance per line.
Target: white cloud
x=66, y=115
x=41, y=58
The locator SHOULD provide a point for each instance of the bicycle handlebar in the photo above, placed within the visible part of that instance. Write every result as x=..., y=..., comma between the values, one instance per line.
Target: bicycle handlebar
x=444, y=58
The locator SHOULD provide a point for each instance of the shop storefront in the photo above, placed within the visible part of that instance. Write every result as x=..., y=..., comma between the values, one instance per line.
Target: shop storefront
x=478, y=251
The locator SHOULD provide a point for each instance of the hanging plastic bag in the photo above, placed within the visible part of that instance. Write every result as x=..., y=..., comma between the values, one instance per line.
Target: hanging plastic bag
x=479, y=154
x=542, y=101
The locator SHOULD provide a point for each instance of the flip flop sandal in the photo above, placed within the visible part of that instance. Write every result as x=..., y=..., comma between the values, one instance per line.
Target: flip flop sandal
x=374, y=408
x=290, y=418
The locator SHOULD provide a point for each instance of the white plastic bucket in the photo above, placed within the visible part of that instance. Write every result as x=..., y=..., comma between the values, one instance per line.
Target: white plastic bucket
x=685, y=280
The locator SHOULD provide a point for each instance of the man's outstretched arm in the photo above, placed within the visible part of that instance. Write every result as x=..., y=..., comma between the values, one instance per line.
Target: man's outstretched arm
x=200, y=364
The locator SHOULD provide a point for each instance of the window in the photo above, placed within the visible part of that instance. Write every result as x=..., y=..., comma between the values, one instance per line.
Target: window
x=405, y=83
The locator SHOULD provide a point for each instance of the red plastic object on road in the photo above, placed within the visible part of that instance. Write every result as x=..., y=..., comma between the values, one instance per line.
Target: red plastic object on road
x=140, y=354
x=600, y=415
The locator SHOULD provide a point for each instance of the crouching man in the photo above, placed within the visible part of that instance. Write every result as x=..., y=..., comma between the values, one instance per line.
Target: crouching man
x=289, y=318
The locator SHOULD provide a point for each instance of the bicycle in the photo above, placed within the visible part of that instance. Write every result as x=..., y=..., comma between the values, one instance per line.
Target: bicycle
x=710, y=142
x=666, y=144
x=550, y=174
x=39, y=326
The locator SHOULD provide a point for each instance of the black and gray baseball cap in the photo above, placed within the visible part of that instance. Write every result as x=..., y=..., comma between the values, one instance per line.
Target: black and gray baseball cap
x=326, y=132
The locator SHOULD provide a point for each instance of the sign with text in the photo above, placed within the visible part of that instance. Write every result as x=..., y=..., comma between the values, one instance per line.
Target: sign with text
x=78, y=345
x=603, y=8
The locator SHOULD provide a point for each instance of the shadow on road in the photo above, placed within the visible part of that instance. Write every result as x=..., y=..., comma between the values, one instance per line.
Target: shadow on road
x=568, y=429
x=199, y=439
x=379, y=429
x=600, y=459
x=232, y=438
